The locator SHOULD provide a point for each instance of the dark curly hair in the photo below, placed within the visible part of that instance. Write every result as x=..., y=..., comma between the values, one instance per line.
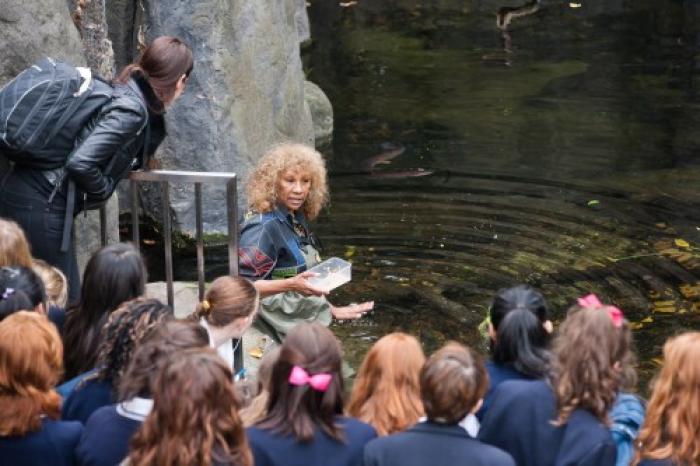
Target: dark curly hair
x=125, y=328
x=154, y=350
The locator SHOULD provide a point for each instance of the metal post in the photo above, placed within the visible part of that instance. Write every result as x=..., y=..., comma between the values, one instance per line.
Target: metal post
x=167, y=233
x=232, y=215
x=200, y=239
x=103, y=225
x=133, y=184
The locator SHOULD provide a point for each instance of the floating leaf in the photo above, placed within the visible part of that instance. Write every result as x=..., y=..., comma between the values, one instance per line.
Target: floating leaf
x=350, y=251
x=256, y=352
x=575, y=5
x=636, y=325
x=657, y=361
x=661, y=225
x=647, y=320
x=593, y=202
x=690, y=291
x=681, y=243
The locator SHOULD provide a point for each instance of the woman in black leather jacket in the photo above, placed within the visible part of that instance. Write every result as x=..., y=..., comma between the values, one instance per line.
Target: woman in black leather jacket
x=123, y=134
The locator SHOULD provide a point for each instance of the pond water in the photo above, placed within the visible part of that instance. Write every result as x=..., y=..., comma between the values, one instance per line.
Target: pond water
x=479, y=144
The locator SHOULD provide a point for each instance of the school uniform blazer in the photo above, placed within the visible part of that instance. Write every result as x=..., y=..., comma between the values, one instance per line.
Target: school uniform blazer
x=271, y=449
x=432, y=444
x=519, y=421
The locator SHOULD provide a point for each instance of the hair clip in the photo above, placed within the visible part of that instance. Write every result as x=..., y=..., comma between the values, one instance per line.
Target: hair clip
x=206, y=305
x=8, y=292
x=591, y=301
x=318, y=382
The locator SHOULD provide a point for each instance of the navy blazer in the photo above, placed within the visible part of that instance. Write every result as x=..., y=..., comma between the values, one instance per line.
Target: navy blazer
x=87, y=398
x=54, y=444
x=519, y=421
x=433, y=444
x=665, y=462
x=270, y=449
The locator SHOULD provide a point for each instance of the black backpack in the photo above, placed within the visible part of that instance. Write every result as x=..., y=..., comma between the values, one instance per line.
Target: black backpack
x=43, y=109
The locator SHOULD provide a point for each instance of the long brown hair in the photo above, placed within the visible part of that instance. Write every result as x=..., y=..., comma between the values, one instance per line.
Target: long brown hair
x=591, y=359
x=113, y=275
x=30, y=364
x=195, y=415
x=162, y=64
x=298, y=410
x=228, y=298
x=14, y=247
x=672, y=423
x=386, y=393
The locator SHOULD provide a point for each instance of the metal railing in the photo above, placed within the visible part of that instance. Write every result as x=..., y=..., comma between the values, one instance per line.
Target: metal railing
x=164, y=178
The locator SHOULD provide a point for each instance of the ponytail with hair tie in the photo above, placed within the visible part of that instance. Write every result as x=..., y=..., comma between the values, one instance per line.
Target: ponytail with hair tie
x=206, y=306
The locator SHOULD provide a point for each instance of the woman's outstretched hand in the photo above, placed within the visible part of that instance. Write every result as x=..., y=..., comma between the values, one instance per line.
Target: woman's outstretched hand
x=353, y=311
x=300, y=284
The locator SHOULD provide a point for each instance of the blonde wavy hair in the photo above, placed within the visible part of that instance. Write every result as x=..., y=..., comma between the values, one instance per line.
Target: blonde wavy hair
x=673, y=415
x=262, y=186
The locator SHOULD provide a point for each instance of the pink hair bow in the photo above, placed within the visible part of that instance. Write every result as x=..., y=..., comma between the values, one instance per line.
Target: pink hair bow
x=318, y=382
x=591, y=301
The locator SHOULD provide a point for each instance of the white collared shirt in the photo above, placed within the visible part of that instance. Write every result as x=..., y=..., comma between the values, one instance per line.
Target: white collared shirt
x=225, y=349
x=136, y=408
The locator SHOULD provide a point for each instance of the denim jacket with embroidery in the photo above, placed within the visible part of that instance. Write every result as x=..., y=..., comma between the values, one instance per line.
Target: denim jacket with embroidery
x=270, y=248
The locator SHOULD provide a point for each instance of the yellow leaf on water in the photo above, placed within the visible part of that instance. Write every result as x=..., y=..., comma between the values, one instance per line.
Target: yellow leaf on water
x=593, y=202
x=350, y=251
x=648, y=320
x=636, y=325
x=657, y=361
x=690, y=291
x=681, y=243
x=256, y=352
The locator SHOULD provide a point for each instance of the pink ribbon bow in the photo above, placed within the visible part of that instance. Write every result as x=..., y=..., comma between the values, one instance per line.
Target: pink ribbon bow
x=591, y=301
x=318, y=382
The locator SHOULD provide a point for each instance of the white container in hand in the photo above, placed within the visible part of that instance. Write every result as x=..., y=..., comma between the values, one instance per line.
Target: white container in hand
x=332, y=273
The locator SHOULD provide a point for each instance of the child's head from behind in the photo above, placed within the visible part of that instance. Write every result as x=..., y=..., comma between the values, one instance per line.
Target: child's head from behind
x=306, y=386
x=20, y=290
x=30, y=365
x=592, y=359
x=195, y=414
x=164, y=340
x=386, y=392
x=123, y=332
x=14, y=248
x=231, y=303
x=453, y=382
x=673, y=414
x=520, y=330
x=55, y=283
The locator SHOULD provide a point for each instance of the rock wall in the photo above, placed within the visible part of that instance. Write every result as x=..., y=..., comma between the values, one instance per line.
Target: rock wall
x=247, y=91
x=33, y=29
x=245, y=94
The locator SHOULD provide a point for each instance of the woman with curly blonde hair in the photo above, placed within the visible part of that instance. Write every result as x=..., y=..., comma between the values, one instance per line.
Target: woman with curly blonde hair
x=31, y=355
x=386, y=392
x=194, y=420
x=671, y=432
x=287, y=188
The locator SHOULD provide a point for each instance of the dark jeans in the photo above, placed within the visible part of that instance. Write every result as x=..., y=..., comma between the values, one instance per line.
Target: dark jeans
x=43, y=225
